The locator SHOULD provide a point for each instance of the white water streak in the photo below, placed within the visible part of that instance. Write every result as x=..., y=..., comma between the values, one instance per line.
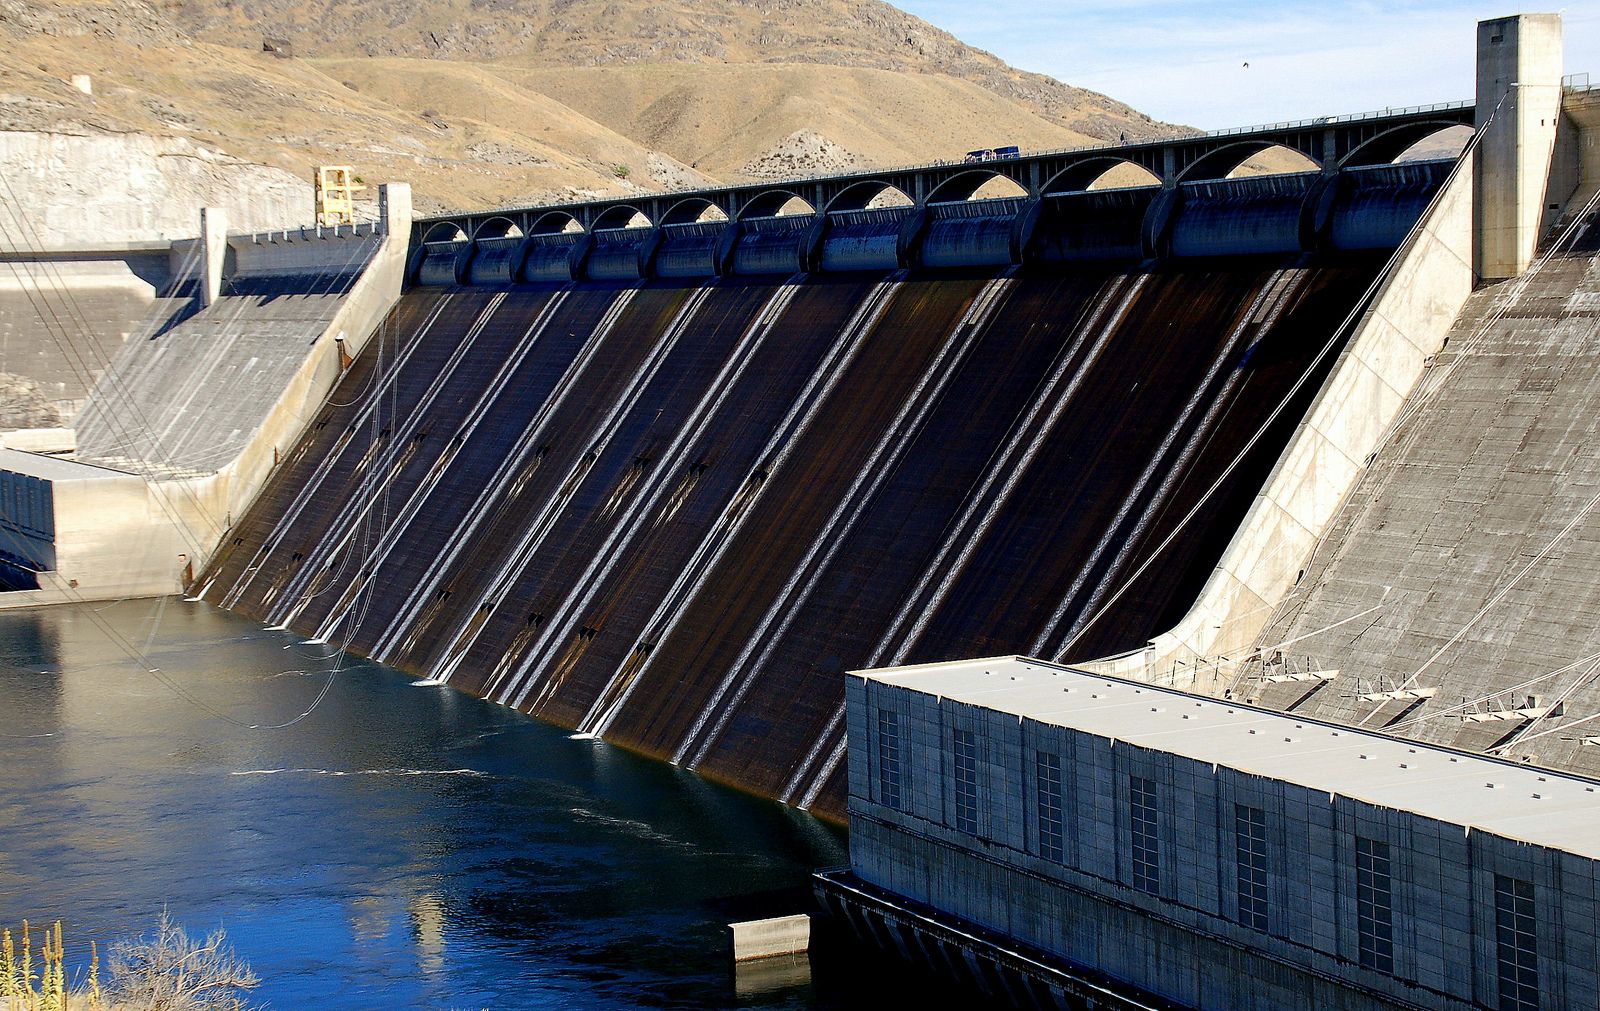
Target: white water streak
x=308, y=491
x=693, y=430
x=462, y=535
x=1014, y=469
x=880, y=464
x=393, y=535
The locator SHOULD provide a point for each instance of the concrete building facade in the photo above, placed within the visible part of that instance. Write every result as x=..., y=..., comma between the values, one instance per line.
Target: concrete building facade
x=1208, y=854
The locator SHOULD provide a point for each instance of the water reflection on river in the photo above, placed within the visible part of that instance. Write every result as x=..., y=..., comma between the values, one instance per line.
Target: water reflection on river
x=401, y=847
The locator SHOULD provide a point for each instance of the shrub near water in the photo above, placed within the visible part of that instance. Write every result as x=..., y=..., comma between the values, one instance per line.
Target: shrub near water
x=166, y=970
x=24, y=990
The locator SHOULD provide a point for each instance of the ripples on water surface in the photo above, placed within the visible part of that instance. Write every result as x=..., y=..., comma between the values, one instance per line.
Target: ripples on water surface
x=404, y=846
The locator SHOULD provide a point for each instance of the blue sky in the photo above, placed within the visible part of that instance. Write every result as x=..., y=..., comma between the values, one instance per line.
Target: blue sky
x=1184, y=61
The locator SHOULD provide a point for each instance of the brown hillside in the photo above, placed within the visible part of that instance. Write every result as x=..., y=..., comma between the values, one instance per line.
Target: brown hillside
x=591, y=33
x=721, y=119
x=531, y=127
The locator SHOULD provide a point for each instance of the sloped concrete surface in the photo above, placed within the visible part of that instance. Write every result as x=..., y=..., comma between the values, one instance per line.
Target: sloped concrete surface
x=1469, y=548
x=189, y=401
x=61, y=323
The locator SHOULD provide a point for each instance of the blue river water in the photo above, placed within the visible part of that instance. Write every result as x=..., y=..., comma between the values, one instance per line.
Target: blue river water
x=402, y=846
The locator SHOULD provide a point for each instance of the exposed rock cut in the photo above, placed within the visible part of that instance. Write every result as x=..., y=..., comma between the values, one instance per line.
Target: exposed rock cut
x=801, y=153
x=24, y=405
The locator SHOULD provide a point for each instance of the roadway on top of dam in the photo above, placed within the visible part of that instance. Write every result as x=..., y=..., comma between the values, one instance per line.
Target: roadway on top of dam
x=1332, y=142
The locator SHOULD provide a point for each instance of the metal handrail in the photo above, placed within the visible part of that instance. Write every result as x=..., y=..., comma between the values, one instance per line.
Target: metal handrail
x=1356, y=117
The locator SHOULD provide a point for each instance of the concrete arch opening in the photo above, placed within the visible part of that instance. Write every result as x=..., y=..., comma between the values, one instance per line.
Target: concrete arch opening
x=444, y=231
x=1412, y=142
x=977, y=184
x=1107, y=173
x=555, y=223
x=1249, y=158
x=621, y=216
x=497, y=228
x=776, y=204
x=869, y=195
x=692, y=211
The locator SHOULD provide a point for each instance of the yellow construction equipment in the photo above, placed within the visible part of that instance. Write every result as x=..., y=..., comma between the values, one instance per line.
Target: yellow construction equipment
x=336, y=195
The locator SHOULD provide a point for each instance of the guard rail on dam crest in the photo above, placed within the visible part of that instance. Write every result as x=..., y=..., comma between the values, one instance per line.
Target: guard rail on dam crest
x=665, y=484
x=743, y=230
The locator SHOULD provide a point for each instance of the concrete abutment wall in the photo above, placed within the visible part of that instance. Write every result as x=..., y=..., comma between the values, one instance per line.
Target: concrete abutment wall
x=125, y=534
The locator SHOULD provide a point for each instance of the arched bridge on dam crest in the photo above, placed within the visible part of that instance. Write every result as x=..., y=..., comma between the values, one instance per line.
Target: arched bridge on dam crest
x=936, y=216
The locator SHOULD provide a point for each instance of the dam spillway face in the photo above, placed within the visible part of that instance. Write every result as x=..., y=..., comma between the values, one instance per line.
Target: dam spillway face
x=674, y=512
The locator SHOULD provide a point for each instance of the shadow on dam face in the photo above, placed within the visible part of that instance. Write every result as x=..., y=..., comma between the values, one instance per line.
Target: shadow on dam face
x=675, y=514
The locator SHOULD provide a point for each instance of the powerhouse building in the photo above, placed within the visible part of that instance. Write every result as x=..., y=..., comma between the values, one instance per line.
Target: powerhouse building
x=1064, y=838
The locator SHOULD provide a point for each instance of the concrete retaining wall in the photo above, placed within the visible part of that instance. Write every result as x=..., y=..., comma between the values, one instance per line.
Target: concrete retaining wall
x=125, y=535
x=233, y=488
x=102, y=533
x=134, y=187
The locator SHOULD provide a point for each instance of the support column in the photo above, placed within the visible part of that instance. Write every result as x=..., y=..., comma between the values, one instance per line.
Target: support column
x=1519, y=105
x=213, y=252
x=394, y=209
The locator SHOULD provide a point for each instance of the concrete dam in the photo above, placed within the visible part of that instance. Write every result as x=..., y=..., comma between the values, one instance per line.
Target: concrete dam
x=666, y=483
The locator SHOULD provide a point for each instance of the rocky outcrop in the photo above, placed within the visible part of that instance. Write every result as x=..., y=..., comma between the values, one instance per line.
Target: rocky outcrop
x=24, y=405
x=801, y=153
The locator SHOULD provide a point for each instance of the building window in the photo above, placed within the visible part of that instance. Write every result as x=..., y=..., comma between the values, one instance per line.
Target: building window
x=1146, y=849
x=889, y=759
x=1516, y=944
x=1250, y=852
x=1047, y=772
x=966, y=770
x=1374, y=906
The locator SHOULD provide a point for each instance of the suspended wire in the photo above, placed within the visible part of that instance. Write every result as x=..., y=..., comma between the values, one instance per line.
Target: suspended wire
x=1429, y=389
x=1556, y=730
x=1467, y=704
x=1521, y=735
x=61, y=334
x=1335, y=340
x=1417, y=404
x=1500, y=594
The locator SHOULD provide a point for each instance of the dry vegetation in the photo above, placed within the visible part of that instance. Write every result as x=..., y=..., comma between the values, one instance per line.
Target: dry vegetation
x=535, y=100
x=865, y=34
x=165, y=970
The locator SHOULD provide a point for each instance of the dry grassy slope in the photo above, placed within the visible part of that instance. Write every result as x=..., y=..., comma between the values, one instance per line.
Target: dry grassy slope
x=720, y=119
x=290, y=114
x=546, y=33
x=474, y=134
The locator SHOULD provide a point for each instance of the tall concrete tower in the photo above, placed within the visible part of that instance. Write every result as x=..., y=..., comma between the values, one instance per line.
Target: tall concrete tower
x=1519, y=98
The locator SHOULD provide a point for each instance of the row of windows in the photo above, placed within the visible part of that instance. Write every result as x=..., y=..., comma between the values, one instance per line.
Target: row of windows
x=1146, y=842
x=1374, y=905
x=1250, y=855
x=965, y=767
x=1516, y=948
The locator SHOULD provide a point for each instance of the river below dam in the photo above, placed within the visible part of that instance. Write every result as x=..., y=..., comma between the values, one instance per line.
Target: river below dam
x=403, y=846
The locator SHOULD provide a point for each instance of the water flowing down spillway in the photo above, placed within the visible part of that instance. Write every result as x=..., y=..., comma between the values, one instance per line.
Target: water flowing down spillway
x=673, y=514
